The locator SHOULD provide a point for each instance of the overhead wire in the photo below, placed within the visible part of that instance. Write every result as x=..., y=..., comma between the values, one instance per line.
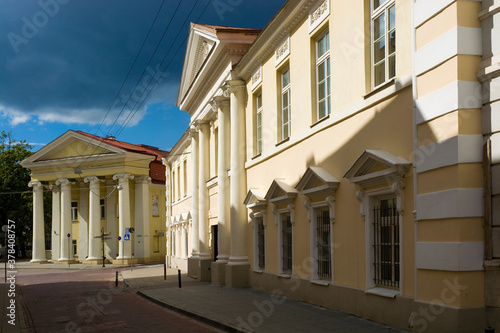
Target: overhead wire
x=166, y=67
x=126, y=78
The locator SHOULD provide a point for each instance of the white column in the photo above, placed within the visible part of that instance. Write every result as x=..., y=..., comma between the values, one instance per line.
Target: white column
x=111, y=251
x=38, y=253
x=224, y=236
x=203, y=191
x=141, y=235
x=94, y=218
x=195, y=192
x=55, y=235
x=238, y=177
x=125, y=247
x=83, y=222
x=66, y=246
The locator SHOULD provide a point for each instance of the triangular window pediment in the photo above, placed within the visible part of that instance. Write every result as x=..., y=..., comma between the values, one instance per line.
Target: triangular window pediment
x=317, y=182
x=255, y=200
x=376, y=167
x=280, y=193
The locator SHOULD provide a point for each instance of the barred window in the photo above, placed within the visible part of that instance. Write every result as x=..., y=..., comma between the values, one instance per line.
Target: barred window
x=323, y=245
x=386, y=243
x=261, y=246
x=287, y=243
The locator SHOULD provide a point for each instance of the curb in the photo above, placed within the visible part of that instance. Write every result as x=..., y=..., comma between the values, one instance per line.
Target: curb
x=201, y=318
x=198, y=317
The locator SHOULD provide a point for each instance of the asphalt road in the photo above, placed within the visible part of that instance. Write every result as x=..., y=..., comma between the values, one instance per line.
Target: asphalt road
x=59, y=300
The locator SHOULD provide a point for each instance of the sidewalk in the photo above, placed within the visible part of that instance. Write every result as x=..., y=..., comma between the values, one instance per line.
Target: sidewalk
x=241, y=310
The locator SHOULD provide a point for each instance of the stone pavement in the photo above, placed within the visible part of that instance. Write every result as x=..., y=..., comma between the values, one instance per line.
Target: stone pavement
x=241, y=310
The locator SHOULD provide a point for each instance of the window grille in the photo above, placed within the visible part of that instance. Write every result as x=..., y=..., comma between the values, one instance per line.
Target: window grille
x=287, y=244
x=386, y=244
x=261, y=245
x=323, y=245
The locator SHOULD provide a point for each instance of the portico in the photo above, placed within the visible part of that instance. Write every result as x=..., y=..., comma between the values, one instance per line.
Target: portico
x=98, y=185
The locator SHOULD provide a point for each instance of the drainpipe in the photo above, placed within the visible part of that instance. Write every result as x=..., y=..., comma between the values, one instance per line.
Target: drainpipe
x=415, y=146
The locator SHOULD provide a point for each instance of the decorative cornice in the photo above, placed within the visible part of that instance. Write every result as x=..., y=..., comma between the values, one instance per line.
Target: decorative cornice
x=282, y=51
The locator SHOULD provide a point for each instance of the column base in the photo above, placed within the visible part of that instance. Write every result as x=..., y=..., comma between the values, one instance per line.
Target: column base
x=38, y=261
x=203, y=268
x=124, y=261
x=193, y=267
x=237, y=276
x=218, y=270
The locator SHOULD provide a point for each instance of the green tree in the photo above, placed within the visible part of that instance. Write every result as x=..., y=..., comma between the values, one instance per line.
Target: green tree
x=16, y=199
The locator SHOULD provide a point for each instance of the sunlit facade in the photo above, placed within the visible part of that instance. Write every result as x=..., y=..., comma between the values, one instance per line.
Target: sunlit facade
x=336, y=157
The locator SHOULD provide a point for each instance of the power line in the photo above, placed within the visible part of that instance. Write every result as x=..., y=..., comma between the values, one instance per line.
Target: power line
x=126, y=77
x=168, y=65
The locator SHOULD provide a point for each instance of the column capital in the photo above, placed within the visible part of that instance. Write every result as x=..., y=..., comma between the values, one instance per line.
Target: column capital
x=91, y=179
x=218, y=102
x=231, y=86
x=54, y=188
x=142, y=179
x=35, y=184
x=123, y=176
x=62, y=182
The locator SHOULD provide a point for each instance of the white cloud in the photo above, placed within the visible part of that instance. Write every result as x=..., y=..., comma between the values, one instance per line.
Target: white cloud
x=14, y=117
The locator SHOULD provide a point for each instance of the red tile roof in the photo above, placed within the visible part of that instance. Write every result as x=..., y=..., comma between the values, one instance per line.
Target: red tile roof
x=156, y=167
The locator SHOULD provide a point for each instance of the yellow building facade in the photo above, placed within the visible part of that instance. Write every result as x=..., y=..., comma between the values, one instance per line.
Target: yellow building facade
x=100, y=187
x=347, y=156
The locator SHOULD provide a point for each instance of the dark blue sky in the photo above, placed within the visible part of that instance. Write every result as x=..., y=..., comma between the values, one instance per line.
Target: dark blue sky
x=62, y=62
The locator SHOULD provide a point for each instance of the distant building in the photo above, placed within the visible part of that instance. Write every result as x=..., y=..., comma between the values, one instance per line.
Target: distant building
x=347, y=155
x=98, y=185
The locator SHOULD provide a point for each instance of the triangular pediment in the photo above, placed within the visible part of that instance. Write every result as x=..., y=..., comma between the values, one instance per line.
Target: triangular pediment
x=71, y=146
x=201, y=42
x=317, y=182
x=280, y=193
x=255, y=200
x=375, y=167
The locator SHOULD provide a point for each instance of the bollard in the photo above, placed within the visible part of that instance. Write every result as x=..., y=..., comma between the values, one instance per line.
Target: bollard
x=179, y=275
x=116, y=281
x=164, y=271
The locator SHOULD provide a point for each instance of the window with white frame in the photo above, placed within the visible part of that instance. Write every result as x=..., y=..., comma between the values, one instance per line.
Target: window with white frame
x=74, y=210
x=383, y=26
x=286, y=243
x=173, y=186
x=258, y=121
x=185, y=177
x=259, y=240
x=285, y=104
x=386, y=242
x=102, y=206
x=75, y=247
x=178, y=181
x=323, y=84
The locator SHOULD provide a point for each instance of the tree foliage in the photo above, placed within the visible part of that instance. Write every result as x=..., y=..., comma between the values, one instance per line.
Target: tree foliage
x=16, y=199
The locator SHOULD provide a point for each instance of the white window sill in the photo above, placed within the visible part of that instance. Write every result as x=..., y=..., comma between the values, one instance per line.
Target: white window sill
x=321, y=282
x=258, y=271
x=284, y=276
x=384, y=292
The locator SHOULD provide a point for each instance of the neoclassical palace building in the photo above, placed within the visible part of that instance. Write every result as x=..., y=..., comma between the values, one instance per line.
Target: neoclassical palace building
x=98, y=185
x=347, y=155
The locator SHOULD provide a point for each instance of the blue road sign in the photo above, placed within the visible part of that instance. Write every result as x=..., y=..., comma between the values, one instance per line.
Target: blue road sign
x=126, y=237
